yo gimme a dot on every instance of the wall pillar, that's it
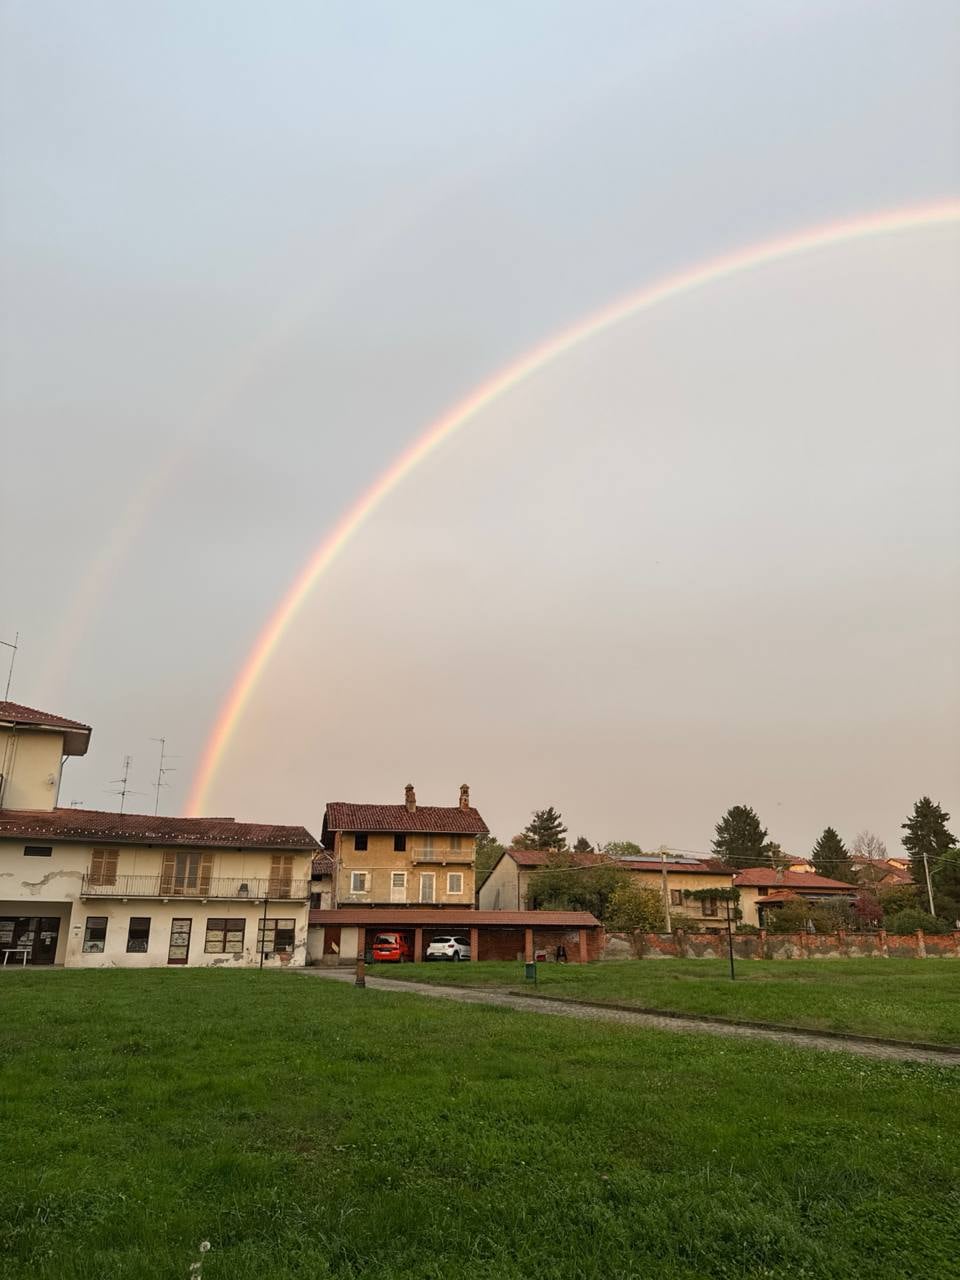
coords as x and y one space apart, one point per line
921 945
417 945
361 943
528 945
762 948
582 942
474 942
882 935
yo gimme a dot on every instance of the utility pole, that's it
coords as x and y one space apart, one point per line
730 940
666 886
13 657
926 872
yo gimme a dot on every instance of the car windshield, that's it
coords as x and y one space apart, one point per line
386 940
441 942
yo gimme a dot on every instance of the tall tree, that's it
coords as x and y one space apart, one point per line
740 840
946 887
927 833
545 830
489 853
867 845
583 845
622 849
830 857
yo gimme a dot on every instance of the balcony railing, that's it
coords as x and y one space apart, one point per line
235 889
464 856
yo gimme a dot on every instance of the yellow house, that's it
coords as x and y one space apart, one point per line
508 887
84 887
403 854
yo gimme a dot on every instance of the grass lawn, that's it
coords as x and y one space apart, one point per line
901 999
308 1129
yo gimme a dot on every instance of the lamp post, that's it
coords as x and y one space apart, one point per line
730 940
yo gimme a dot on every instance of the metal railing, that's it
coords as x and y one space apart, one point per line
465 856
235 888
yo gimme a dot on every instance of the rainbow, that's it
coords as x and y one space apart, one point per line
705 273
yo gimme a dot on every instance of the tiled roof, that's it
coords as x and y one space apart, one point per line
757 877
76 736
324 864
448 917
425 819
138 828
14 713
529 859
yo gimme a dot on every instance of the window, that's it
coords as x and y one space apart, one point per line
38 850
455 842
186 874
709 907
360 841
359 881
224 937
138 933
95 934
399 843
281 875
103 866
398 886
427 882
676 898
455 882
762 891
278 935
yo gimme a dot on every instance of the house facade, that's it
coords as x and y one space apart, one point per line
88 888
401 855
764 889
508 886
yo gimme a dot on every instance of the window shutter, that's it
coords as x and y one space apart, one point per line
103 866
281 875
205 872
168 873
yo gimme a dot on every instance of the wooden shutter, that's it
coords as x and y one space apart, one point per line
205 872
103 866
168 873
281 875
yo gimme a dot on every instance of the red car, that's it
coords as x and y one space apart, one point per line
393 947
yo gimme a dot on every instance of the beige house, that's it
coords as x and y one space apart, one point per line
507 888
80 887
764 889
403 854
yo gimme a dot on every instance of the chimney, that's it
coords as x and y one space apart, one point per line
464 796
410 798
779 875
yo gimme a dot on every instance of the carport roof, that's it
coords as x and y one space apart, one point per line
446 916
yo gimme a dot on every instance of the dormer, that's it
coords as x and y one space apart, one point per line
33 747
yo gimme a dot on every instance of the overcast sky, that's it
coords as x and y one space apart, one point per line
250 250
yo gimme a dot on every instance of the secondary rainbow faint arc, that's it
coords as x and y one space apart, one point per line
704 273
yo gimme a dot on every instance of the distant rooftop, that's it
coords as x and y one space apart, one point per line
97 826
76 735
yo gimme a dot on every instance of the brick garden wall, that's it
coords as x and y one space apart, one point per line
780 946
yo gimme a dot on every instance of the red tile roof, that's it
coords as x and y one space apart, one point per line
425 819
450 917
757 877
76 737
92 825
324 864
527 859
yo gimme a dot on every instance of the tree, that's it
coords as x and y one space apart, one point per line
636 906
566 885
622 849
927 834
946 886
489 853
867 845
740 840
777 856
898 897
545 830
583 845
910 921
830 857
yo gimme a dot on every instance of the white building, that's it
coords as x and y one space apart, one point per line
88 888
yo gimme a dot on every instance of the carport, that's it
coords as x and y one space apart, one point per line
339 936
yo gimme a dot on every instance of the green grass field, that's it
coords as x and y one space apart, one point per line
900 999
308 1129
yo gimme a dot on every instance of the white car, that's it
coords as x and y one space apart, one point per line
449 947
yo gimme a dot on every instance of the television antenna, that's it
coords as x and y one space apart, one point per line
13 657
163 769
122 782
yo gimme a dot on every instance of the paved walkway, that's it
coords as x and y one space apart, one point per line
531 1004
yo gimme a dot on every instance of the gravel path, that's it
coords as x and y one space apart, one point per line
530 1004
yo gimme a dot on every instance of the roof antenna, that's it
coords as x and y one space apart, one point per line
122 783
163 769
13 657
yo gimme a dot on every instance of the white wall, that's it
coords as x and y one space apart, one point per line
30 762
500 890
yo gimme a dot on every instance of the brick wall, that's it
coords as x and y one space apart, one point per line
780 946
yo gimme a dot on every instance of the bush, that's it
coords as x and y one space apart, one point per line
636 906
911 921
798 916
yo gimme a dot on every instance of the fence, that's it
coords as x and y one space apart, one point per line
781 946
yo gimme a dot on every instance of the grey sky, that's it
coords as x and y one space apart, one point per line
250 250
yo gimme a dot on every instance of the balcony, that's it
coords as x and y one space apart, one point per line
461 857
203 889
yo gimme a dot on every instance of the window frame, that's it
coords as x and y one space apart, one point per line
451 892
227 946
103 867
274 926
676 897
399 842
90 946
432 877
366 882
38 850
138 951
361 841
710 907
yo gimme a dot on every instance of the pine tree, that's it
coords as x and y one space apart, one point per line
927 833
830 857
545 830
740 840
583 845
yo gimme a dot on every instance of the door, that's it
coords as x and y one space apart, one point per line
281 875
45 940
331 940
427 886
186 874
398 886
179 952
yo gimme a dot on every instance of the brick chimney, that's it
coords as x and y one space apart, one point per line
410 798
464 796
